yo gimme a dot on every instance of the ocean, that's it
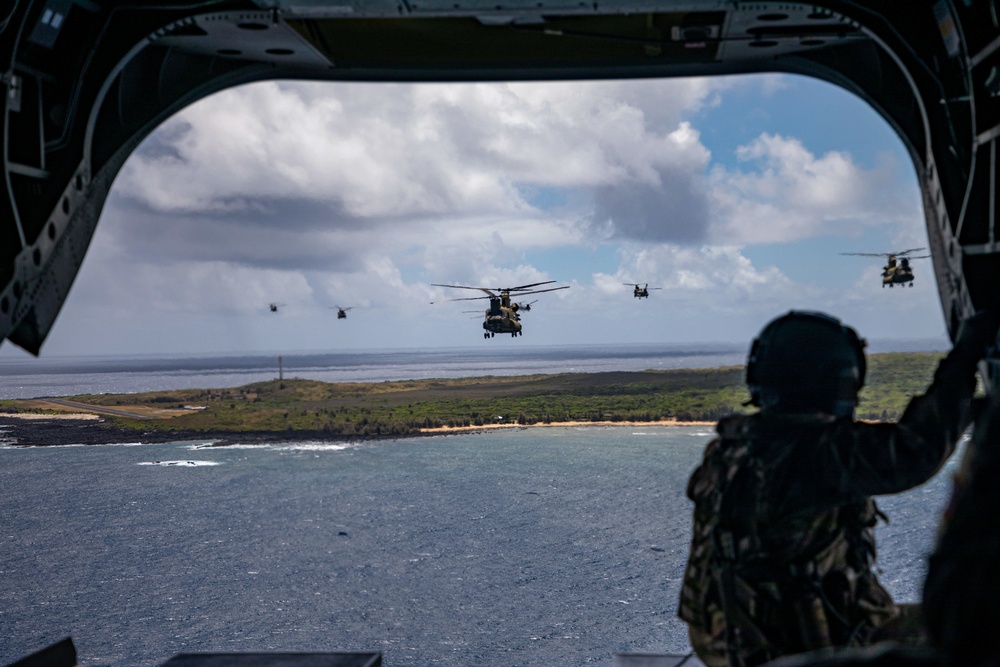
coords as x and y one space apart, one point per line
542 546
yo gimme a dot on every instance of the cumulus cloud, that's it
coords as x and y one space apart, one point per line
787 193
660 195
620 156
376 152
388 149
698 275
361 195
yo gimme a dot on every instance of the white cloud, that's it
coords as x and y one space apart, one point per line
788 193
394 150
362 194
699 276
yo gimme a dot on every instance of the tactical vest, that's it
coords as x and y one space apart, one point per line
760 586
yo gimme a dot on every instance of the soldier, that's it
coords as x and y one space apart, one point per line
783 546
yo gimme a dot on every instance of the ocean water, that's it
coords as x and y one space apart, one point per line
543 546
66 376
63 376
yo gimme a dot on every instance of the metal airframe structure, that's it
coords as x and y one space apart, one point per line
86 80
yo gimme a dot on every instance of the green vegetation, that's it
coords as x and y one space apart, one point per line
400 408
893 379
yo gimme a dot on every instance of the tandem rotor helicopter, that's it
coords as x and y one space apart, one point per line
341 312
502 315
897 270
641 292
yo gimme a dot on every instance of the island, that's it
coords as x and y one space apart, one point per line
300 408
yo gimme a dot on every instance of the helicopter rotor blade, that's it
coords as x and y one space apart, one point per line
539 291
456 286
465 298
481 289
495 289
519 291
883 254
524 287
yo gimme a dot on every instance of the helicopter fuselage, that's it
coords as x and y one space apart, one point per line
501 318
895 273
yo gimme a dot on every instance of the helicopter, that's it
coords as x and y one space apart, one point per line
273 307
342 312
897 270
640 292
502 315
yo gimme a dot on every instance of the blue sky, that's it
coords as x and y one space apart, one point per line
735 195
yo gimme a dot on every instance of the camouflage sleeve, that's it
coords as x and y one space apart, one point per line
875 459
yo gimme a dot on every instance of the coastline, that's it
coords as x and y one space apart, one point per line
40 430
445 430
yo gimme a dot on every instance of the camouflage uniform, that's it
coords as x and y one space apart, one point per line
783 544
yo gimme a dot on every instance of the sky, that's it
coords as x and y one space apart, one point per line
733 195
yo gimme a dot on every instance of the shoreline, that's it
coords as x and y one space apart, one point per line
40 430
445 430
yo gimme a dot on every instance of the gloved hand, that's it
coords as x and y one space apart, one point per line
955 377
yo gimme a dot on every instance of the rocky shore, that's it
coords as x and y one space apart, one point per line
39 430
50 430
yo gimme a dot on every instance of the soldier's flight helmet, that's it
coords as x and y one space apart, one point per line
806 362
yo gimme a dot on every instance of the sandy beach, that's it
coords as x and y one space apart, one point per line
444 430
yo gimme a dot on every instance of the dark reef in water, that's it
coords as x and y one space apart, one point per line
17 432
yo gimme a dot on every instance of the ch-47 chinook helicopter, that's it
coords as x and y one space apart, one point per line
641 292
273 307
502 315
341 312
897 270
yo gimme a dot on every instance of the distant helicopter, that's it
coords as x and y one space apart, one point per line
342 312
502 315
897 270
273 307
641 292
